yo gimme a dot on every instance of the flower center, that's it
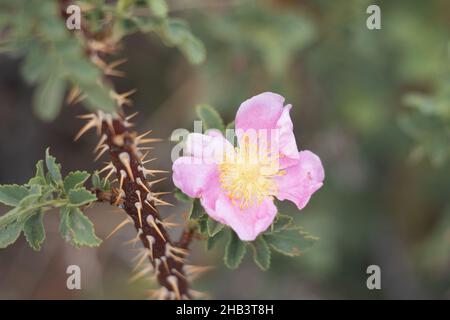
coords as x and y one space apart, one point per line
247 174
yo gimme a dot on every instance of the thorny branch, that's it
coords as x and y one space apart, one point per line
134 193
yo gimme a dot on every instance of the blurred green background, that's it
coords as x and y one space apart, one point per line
373 104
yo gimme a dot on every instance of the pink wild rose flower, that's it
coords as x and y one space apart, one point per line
237 186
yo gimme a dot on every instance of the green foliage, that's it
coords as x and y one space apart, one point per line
76 228
55 58
281 222
48 97
53 168
9 234
210 117
290 241
261 253
101 184
47 190
212 241
180 196
34 231
197 212
428 120
12 194
80 196
75 179
234 251
213 227
173 32
158 7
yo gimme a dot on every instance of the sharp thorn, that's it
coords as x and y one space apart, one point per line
120 226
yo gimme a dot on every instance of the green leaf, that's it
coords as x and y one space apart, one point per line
180 195
261 253
64 228
290 242
158 7
53 168
282 222
96 180
34 231
210 117
83 229
9 234
97 97
80 196
75 179
30 199
212 241
123 5
12 194
39 178
234 251
197 210
214 227
36 64
76 228
174 31
10 217
99 183
193 49
48 97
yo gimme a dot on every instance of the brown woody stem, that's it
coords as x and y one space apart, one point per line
140 203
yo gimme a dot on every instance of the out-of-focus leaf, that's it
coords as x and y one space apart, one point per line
281 222
193 49
48 97
292 242
158 7
210 117
98 98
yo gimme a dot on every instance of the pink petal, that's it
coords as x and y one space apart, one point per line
209 148
287 143
197 174
301 180
248 223
193 177
265 115
260 112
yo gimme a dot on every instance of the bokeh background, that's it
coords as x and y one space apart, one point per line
373 104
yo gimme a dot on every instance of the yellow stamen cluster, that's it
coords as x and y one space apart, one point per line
247 174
